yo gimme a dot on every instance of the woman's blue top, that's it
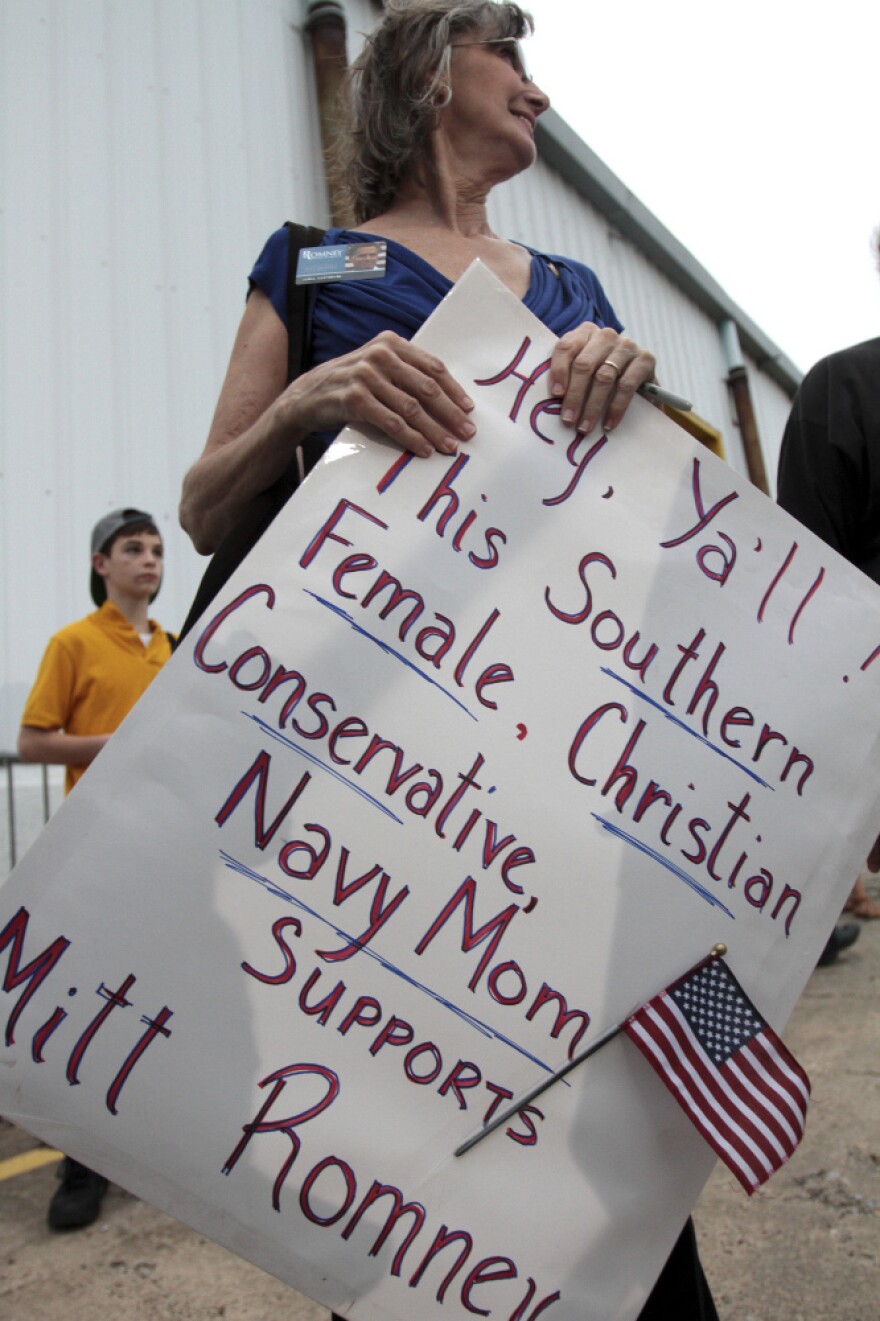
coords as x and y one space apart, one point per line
347 313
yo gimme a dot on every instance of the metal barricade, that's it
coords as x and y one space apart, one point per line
8 761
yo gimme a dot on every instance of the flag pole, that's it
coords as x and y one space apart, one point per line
717 951
536 1091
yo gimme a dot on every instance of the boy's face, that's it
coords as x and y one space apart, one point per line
132 567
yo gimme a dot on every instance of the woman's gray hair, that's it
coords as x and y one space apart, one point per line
397 84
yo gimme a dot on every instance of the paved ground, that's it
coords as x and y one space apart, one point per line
804 1248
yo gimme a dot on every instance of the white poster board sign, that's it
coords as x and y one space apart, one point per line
472 756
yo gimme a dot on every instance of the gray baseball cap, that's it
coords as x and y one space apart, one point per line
105 530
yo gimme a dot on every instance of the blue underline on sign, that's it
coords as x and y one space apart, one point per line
682 875
273 888
389 651
321 765
658 706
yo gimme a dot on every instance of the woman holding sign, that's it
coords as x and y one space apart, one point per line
441 109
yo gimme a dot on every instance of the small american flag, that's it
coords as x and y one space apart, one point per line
727 1069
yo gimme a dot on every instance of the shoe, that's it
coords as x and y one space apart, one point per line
77 1202
843 935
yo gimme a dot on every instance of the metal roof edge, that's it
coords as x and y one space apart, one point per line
561 148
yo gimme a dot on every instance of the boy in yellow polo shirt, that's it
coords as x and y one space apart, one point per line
90 677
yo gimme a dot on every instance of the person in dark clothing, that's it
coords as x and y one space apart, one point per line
829 463
829 479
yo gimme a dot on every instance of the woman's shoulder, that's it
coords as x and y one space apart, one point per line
275 250
569 288
585 274
269 273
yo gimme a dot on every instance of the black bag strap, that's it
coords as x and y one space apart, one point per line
298 301
263 508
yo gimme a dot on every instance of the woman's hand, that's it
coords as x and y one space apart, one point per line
389 384
594 373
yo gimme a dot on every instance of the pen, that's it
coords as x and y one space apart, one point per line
658 395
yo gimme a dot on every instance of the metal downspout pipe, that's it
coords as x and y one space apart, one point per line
325 25
738 380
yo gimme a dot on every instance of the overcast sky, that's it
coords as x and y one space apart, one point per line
751 130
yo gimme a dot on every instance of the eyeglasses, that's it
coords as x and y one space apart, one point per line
508 48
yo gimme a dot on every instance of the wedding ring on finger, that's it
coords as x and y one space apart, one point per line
609 363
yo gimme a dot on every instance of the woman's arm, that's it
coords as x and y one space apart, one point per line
388 383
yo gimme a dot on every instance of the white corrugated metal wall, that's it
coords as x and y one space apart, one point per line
147 148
